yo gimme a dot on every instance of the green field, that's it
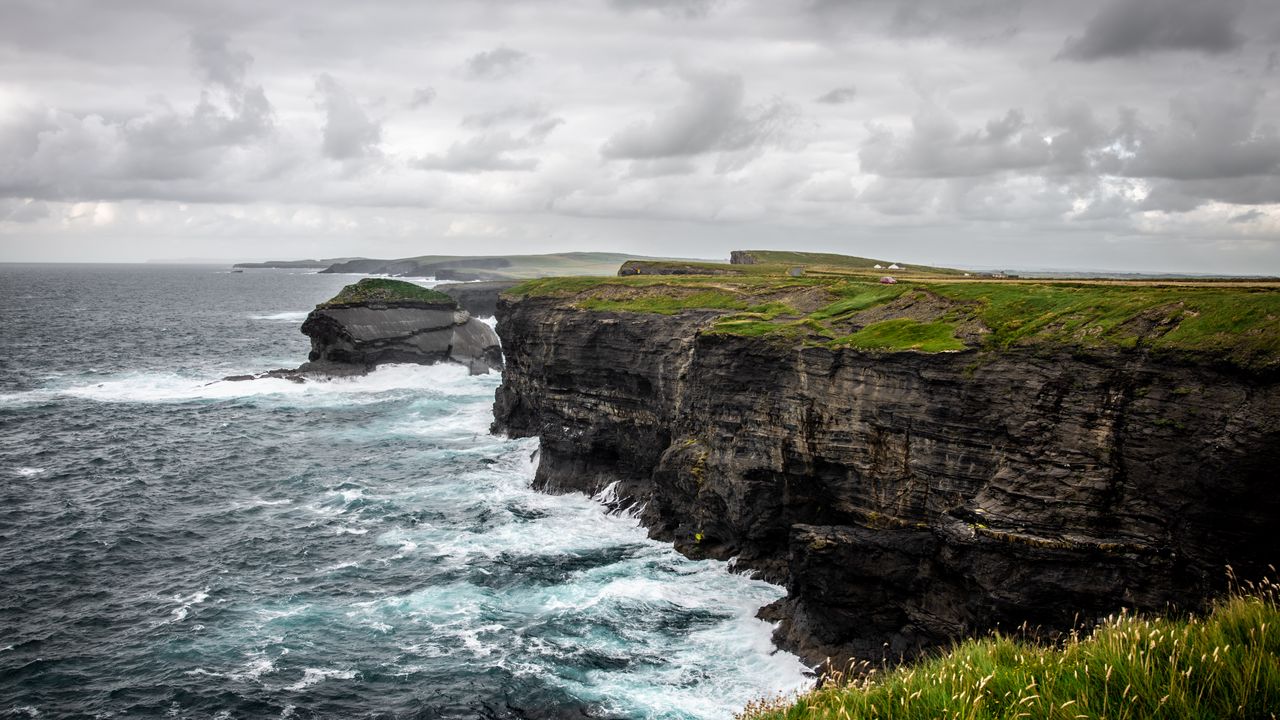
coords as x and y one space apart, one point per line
1222 665
833 263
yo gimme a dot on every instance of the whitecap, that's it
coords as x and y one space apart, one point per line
186 604
445 380
291 316
27 472
312 676
258 665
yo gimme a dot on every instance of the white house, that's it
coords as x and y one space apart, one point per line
894 267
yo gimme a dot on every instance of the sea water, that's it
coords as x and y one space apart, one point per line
173 545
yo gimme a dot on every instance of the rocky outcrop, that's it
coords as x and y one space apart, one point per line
907 499
478 298
366 335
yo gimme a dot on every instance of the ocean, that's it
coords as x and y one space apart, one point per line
172 545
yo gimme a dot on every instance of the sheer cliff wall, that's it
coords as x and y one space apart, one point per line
906 499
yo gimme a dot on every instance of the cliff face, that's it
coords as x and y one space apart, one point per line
478 298
906 499
370 334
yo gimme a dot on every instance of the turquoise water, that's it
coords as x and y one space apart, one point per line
174 545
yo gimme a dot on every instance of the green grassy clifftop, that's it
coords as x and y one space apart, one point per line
1238 322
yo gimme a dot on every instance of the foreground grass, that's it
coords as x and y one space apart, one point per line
1223 665
385 290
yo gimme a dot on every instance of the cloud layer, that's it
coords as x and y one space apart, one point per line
1111 133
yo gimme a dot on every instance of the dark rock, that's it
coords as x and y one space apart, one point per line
478 298
907 499
370 334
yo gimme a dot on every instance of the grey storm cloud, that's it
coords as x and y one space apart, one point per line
680 8
55 154
712 117
496 63
1207 138
937 147
1115 119
1211 148
422 97
23 211
1246 217
349 132
1136 27
838 96
503 116
218 64
491 151
968 20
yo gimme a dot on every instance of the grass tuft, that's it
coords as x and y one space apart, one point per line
1222 665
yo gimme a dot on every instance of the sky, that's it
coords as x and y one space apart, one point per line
1136 135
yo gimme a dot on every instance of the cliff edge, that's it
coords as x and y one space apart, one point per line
916 464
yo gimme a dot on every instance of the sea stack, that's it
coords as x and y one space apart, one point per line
378 321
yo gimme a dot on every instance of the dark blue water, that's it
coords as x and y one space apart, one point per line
175 546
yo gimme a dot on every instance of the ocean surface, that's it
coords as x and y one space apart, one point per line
176 546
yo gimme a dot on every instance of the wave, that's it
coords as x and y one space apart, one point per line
445 379
313 676
291 316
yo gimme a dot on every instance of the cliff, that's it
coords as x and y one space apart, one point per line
908 498
478 298
379 321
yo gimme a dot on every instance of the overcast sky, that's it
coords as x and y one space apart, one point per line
1113 134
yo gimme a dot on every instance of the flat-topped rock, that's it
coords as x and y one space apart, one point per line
378 321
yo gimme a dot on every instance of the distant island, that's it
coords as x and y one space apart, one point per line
290 264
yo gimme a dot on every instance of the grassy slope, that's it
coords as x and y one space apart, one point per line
385 290
1223 665
1241 324
833 262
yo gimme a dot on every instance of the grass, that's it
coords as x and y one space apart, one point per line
385 290
672 304
1241 324
1225 664
904 334
1238 324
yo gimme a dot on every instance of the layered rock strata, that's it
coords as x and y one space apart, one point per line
906 499
365 335
478 298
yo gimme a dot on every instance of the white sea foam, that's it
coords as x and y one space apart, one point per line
27 472
259 664
291 316
443 380
186 603
313 676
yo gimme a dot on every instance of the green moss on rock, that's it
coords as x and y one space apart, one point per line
384 290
